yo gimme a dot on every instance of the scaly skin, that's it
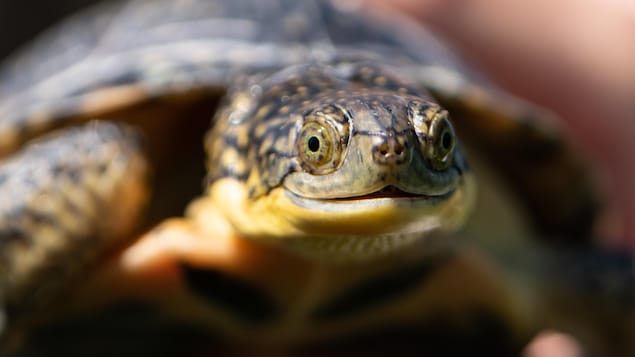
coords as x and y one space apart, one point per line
385 177
56 213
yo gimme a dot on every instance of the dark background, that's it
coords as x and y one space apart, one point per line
21 20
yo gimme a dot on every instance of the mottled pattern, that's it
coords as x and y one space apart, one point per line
257 136
63 189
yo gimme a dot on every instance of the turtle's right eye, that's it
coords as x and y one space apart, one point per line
320 145
316 145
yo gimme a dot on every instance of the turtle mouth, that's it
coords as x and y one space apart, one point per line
386 196
389 191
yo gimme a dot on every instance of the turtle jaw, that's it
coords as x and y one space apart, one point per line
389 196
385 212
352 228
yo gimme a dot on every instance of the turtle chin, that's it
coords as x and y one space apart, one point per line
350 228
374 225
363 248
385 212
388 196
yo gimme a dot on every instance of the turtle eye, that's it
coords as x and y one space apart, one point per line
434 131
319 144
441 142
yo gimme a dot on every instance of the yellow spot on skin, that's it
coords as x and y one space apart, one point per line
423 126
431 113
229 157
275 89
242 139
216 144
281 144
263 111
303 90
380 81
284 110
265 145
242 102
240 167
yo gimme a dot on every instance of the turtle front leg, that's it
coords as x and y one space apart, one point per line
65 199
153 266
198 270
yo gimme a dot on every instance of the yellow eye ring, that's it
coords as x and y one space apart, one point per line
316 144
434 132
322 140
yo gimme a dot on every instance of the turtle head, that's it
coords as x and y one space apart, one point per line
349 173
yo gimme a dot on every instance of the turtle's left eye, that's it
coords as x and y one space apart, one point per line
441 142
319 144
434 131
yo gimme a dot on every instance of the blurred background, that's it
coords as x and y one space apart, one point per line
21 20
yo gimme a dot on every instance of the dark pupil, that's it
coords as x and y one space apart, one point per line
314 144
446 140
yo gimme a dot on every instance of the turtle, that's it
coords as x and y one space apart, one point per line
339 170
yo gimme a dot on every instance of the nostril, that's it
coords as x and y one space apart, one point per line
391 152
384 149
